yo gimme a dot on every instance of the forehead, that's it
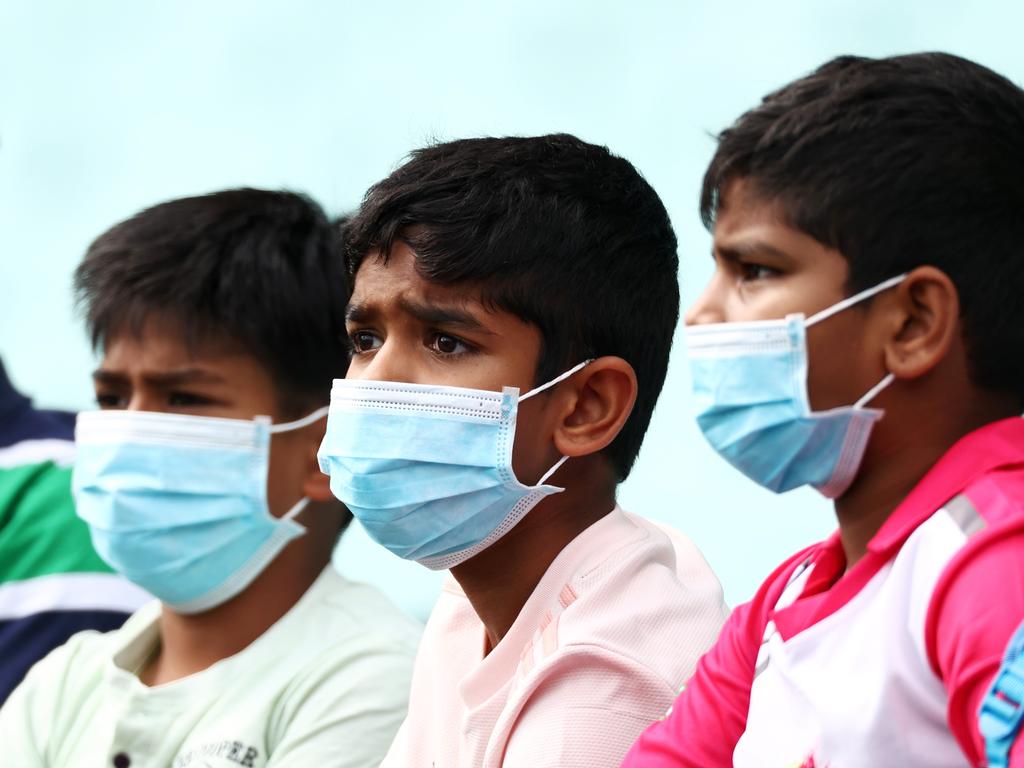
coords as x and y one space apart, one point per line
742 209
749 225
394 294
160 342
381 282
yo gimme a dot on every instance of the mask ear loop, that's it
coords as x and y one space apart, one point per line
296 509
305 421
846 303
557 379
872 393
288 426
541 388
550 472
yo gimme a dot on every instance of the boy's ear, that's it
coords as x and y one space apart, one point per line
601 400
317 485
925 323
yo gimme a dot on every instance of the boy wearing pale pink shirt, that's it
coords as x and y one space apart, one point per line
513 310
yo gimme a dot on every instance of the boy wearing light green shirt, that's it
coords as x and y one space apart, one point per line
325 685
219 321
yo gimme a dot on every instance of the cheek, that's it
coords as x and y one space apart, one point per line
533 453
838 364
285 474
769 299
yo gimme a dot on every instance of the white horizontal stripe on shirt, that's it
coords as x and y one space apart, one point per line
70 592
60 452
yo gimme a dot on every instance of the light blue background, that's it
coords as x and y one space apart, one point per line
106 107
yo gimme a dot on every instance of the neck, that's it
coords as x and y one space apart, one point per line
192 643
500 580
901 453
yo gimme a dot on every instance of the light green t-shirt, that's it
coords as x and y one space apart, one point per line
327 685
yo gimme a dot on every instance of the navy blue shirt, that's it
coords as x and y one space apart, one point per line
45 549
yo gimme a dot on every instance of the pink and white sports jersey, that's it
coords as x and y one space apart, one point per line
600 649
882 665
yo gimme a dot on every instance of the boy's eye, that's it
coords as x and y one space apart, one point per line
444 344
110 400
750 272
186 400
364 341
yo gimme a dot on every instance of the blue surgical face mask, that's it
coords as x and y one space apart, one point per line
427 470
749 384
177 504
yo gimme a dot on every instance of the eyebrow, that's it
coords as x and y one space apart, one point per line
428 314
169 378
746 249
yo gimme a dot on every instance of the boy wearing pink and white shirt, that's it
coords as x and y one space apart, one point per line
513 309
869 249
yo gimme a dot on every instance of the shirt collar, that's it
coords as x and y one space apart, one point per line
995 445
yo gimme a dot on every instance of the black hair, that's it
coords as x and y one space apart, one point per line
561 233
897 163
263 269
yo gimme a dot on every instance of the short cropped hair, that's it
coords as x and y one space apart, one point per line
558 232
897 163
263 269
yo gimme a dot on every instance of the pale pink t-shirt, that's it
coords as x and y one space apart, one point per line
609 636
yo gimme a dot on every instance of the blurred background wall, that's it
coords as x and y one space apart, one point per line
110 106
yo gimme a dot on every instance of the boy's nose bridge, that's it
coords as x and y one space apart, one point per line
707 306
390 363
142 399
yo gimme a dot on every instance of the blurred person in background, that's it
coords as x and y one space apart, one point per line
219 319
52 583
